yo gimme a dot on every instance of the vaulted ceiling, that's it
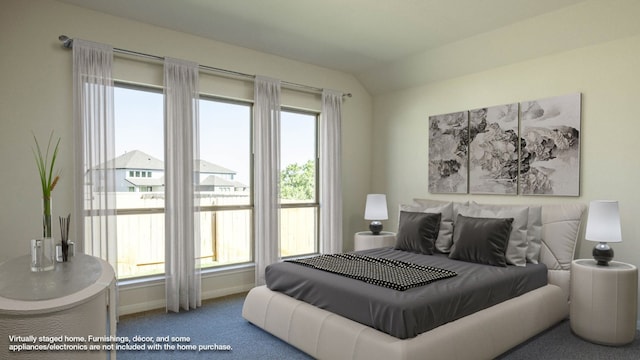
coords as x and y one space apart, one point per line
386 44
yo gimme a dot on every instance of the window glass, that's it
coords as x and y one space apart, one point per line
298 183
225 152
139 144
225 182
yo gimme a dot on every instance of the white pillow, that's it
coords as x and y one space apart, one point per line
445 234
457 206
517 247
534 234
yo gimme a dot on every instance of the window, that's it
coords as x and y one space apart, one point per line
299 208
226 205
139 143
225 183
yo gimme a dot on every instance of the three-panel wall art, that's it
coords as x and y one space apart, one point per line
530 148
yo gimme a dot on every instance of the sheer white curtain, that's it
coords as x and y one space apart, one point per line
94 149
182 230
331 173
266 142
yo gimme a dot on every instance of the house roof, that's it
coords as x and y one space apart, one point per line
213 180
211 168
140 160
137 159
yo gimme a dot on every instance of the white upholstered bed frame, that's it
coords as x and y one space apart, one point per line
482 335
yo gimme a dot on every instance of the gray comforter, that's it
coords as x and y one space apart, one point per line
405 314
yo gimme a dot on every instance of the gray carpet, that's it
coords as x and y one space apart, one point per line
219 323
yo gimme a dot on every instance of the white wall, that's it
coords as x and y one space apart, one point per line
36 95
607 75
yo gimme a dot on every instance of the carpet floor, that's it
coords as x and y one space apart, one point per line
218 331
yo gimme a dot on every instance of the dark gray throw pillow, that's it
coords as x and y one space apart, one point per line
481 240
417 232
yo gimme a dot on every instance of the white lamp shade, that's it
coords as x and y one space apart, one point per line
376 208
603 223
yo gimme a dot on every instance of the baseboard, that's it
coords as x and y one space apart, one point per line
160 304
212 294
142 296
141 307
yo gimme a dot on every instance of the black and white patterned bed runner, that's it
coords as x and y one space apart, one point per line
394 274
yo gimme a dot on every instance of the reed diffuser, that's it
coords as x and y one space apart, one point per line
64 236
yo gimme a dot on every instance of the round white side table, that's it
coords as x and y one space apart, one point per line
68 302
365 240
604 306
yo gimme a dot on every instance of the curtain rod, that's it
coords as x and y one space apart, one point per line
67 42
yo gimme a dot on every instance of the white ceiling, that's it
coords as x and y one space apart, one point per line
361 37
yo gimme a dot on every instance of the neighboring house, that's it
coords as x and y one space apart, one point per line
207 169
219 184
137 171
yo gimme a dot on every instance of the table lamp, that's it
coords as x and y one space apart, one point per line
376 210
603 226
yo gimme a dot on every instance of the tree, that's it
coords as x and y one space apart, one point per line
297 182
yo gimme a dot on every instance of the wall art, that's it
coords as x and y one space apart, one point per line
448 153
550 146
493 150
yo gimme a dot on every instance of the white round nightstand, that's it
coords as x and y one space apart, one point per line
71 300
604 299
365 240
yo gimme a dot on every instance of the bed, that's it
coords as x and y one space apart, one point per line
485 333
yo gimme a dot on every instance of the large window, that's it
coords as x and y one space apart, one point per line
139 166
225 182
298 183
226 215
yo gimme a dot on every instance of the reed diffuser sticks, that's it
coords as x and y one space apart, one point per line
64 236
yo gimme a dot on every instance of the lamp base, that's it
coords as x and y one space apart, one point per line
375 227
602 253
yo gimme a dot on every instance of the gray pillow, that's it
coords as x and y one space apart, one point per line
417 232
517 246
445 235
481 240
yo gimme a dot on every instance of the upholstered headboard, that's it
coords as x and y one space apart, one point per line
560 230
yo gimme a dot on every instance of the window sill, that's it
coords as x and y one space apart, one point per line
160 279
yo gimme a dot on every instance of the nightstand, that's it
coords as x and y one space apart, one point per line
71 300
604 299
365 240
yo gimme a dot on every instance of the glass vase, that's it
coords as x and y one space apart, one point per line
43 252
47 229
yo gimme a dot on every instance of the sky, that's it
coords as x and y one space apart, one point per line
225 136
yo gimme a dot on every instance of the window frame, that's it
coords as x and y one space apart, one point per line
250 206
316 203
213 208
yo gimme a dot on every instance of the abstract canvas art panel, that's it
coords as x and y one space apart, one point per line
448 153
550 146
493 150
